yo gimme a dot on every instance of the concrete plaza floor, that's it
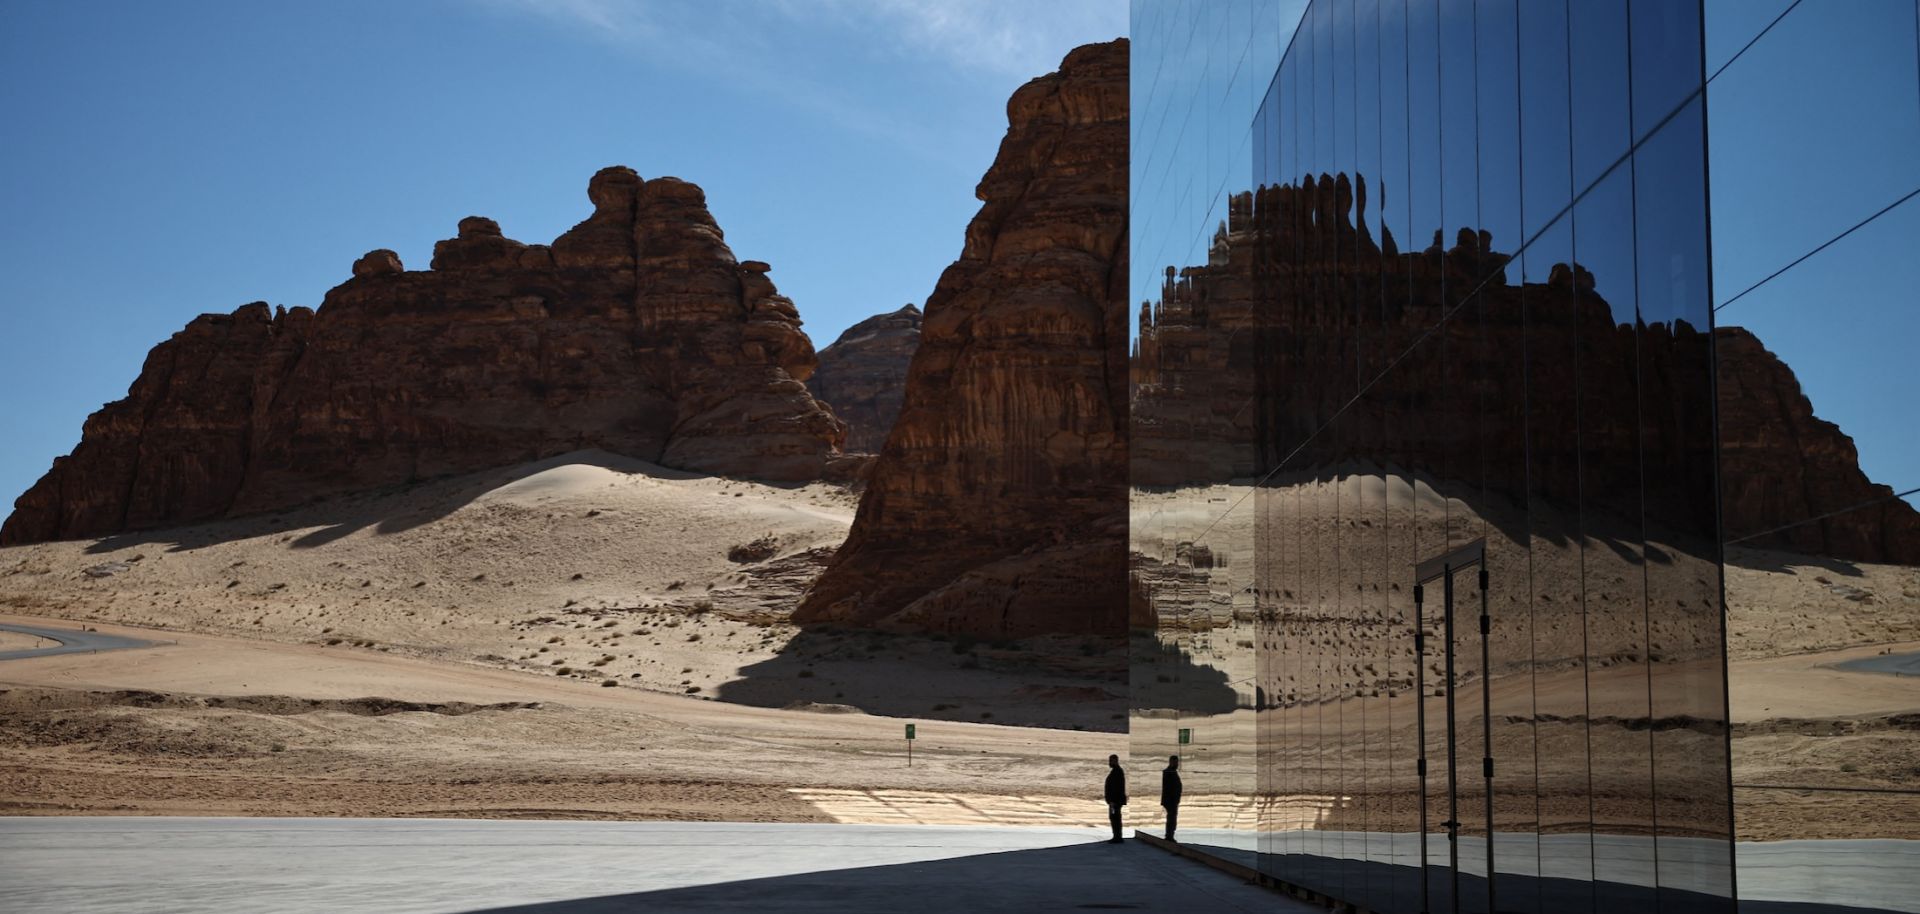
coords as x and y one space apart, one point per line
109 864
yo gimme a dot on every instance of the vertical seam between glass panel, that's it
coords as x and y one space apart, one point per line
1719 504
1480 447
1526 439
1579 458
1639 439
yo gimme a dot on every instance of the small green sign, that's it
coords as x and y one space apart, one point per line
909 731
1186 735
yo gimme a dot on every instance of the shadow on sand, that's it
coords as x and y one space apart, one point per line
1077 877
833 670
393 509
1131 877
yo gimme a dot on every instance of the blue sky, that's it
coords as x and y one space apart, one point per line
166 160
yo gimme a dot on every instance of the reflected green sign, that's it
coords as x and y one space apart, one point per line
1186 735
909 731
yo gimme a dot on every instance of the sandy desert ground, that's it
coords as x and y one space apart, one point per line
587 636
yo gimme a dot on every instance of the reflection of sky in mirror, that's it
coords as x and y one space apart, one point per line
1189 147
1801 152
1813 128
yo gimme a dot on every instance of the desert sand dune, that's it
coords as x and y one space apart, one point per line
583 612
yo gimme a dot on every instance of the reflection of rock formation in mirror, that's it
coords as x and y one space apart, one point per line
1394 404
1217 380
1397 404
1791 480
1192 367
1180 654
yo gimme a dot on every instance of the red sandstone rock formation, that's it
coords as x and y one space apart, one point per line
863 376
635 332
1781 465
998 505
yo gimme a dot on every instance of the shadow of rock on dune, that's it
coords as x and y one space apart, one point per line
1166 677
395 509
1044 682
1786 562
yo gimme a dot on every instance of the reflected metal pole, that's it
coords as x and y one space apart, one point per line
1486 723
1420 724
1453 764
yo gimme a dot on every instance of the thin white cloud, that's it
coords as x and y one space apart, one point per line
999 43
1010 38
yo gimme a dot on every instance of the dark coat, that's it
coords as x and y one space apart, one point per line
1169 788
1116 788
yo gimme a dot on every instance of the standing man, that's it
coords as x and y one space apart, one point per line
1170 793
1116 795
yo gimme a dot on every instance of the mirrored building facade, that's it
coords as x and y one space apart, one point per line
1523 462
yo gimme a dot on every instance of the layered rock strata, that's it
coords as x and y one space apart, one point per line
863 376
1792 480
998 506
1325 373
635 332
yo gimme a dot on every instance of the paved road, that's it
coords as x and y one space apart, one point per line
111 865
71 641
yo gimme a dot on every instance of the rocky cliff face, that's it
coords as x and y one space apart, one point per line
636 332
998 505
1781 465
863 376
1221 387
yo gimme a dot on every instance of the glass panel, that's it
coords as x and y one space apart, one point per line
1832 99
1372 357
1423 147
1867 875
1823 569
1405 154
1546 180
1817 351
1685 649
1395 203
1666 60
1470 723
1612 572
1498 116
1555 558
1597 65
1823 742
1459 141
1731 24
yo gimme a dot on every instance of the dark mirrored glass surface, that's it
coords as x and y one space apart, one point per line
1458 301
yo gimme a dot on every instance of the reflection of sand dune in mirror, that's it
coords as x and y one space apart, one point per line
1821 750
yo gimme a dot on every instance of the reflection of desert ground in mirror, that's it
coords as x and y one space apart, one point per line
554 638
1797 721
